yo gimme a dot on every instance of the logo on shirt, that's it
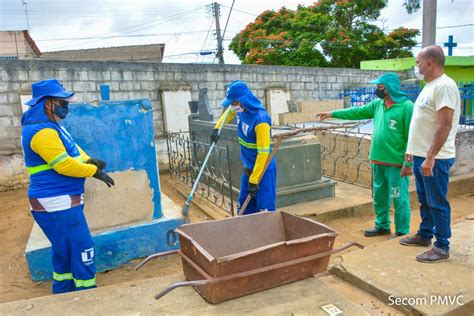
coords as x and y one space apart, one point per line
87 256
392 124
423 102
245 129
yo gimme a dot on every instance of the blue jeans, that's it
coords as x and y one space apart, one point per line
432 193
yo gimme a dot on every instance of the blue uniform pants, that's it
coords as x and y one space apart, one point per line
72 249
265 199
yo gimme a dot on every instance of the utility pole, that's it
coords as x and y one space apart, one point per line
26 13
428 35
220 51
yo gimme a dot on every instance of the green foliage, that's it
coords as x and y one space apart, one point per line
412 5
329 33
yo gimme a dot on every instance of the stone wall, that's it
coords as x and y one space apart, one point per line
139 80
464 152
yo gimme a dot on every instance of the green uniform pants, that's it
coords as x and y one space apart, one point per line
389 186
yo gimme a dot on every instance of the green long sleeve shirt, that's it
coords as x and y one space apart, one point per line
391 126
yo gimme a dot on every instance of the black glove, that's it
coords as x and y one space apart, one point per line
102 176
253 188
97 162
215 135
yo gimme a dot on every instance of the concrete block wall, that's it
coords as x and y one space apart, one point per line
142 80
320 106
296 117
307 109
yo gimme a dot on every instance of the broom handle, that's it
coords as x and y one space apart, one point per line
196 182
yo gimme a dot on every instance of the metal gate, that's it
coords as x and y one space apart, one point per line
186 155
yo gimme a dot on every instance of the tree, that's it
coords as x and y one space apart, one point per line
412 5
328 33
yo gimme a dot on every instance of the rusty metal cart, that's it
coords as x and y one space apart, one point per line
233 257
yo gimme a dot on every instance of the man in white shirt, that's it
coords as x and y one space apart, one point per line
431 147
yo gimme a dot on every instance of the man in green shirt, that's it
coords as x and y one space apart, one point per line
391 113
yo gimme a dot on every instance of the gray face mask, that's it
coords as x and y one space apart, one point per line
418 75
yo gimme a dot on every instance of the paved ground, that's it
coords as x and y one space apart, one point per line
16 284
136 298
389 271
353 200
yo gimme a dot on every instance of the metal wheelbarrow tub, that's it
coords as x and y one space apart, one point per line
233 257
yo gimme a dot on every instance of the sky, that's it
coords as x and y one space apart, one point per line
187 26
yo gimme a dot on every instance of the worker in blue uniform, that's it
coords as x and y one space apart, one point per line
57 167
253 126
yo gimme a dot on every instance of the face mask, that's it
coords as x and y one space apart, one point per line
381 93
61 111
237 108
418 75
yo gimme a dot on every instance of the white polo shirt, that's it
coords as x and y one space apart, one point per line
437 94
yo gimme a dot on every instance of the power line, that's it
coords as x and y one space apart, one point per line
140 27
454 26
228 17
94 12
252 14
106 37
207 35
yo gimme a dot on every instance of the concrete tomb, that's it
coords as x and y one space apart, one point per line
131 219
299 177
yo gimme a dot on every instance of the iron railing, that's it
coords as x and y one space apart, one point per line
345 153
361 95
345 156
186 155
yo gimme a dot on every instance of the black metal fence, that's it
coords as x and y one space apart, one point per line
361 95
186 156
345 156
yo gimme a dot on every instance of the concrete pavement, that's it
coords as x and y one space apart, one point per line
390 272
136 298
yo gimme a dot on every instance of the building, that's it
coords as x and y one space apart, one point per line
18 45
152 53
460 68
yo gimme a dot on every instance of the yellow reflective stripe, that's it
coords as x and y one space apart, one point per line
58 159
84 283
248 145
36 169
62 276
55 161
79 158
263 149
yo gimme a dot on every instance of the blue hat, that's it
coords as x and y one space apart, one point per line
48 88
391 81
235 91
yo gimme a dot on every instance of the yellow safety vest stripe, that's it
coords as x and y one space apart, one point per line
62 276
85 283
55 162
